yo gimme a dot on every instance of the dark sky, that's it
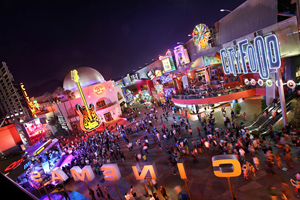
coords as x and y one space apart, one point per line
44 40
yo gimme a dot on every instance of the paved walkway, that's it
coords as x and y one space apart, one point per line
203 184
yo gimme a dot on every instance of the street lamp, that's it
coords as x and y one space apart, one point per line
223 10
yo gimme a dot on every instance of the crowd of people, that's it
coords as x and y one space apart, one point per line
175 135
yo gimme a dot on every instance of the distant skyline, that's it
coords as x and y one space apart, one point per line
44 40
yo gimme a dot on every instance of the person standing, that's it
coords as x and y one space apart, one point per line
163 192
244 116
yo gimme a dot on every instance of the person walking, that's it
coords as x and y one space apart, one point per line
256 162
100 191
288 159
278 160
106 192
163 192
92 193
133 192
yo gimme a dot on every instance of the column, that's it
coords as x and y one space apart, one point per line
282 97
206 73
270 91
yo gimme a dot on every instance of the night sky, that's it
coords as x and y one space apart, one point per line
43 40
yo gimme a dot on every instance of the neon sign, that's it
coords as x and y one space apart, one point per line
167 61
201 34
30 103
263 55
14 165
181 55
99 90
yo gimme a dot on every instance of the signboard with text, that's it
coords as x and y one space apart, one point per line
263 55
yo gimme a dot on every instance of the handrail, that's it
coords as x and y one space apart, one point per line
215 94
259 117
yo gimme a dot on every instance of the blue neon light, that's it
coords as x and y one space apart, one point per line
273 57
263 55
241 45
226 68
252 58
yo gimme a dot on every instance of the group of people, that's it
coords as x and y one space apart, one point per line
155 129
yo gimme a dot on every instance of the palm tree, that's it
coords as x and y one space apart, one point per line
70 95
48 97
60 93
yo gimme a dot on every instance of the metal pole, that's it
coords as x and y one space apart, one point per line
188 190
150 186
282 97
46 192
65 189
232 196
118 190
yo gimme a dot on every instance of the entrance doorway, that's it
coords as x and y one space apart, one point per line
108 117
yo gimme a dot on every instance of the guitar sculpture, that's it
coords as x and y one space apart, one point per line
89 120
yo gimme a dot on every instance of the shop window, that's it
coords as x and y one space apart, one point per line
101 103
298 72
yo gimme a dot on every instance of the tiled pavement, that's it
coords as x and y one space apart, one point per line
201 180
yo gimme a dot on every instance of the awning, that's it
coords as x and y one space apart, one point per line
204 61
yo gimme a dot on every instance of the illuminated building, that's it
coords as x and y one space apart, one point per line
12 102
106 96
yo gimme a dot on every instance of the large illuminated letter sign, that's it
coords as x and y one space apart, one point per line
224 58
261 56
230 60
241 45
273 52
111 172
252 58
59 174
144 171
181 171
82 174
36 176
226 166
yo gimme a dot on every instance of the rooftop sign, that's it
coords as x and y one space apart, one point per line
262 56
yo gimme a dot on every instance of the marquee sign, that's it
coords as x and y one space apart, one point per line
262 56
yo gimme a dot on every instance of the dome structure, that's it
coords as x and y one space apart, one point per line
87 76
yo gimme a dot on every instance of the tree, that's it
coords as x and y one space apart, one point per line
237 108
48 97
70 95
60 93
263 104
295 109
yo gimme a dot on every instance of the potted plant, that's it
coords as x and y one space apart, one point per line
237 109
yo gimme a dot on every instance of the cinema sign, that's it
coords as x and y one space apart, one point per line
262 56
111 172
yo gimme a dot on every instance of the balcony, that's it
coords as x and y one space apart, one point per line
106 106
202 97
